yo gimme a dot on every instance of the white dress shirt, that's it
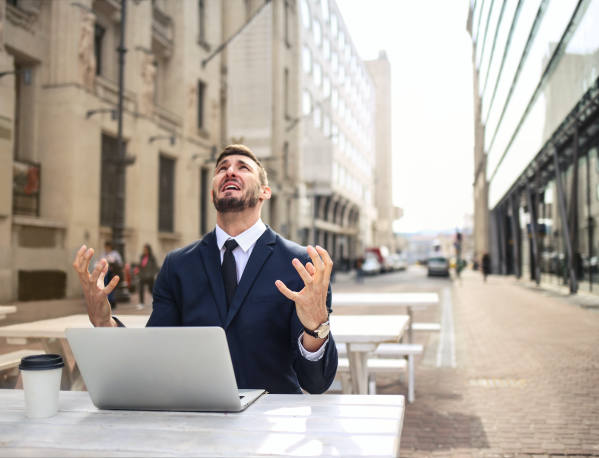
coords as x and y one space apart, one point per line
246 242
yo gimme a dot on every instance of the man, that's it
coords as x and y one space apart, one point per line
271 296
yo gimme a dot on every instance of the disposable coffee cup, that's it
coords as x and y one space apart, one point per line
41 384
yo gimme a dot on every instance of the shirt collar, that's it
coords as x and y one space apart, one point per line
245 240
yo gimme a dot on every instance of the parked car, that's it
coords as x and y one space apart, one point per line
382 257
371 265
438 266
397 262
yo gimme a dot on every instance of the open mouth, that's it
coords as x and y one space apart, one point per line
230 186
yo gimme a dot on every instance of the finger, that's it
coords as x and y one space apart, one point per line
86 259
291 295
78 257
100 281
316 259
310 268
301 270
98 270
328 262
110 286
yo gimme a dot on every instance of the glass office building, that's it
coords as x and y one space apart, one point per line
536 76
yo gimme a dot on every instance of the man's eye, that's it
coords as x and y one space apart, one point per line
245 167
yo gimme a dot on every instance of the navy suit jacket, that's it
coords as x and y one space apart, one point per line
261 324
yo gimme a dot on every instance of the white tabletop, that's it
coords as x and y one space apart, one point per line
306 425
6 309
368 328
352 328
55 327
405 299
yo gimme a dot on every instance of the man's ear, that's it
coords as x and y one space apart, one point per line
266 193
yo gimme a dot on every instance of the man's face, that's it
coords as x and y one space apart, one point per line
236 184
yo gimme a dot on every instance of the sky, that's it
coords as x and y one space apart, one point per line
430 53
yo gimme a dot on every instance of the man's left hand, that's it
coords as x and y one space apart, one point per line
311 301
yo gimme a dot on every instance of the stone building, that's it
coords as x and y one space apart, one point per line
199 74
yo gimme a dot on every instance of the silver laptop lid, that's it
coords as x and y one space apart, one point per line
158 368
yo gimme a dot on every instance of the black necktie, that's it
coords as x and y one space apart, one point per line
229 270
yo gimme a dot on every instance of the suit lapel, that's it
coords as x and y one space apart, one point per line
211 259
261 252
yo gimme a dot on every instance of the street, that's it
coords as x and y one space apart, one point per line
516 375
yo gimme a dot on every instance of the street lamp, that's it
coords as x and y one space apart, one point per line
118 225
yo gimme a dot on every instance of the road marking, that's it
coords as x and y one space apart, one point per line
446 348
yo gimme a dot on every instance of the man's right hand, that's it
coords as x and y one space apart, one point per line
98 307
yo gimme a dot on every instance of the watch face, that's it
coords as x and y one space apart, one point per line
323 330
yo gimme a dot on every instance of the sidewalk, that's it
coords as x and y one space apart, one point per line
526 381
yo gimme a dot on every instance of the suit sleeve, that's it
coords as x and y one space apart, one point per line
315 376
166 306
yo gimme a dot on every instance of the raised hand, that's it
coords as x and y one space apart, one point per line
310 302
98 307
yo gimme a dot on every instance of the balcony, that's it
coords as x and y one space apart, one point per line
26 188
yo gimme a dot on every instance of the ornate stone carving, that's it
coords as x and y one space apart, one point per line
87 59
148 86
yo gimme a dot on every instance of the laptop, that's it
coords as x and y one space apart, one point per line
159 368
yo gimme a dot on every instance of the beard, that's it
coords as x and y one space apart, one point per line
249 199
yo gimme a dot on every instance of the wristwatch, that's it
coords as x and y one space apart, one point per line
321 332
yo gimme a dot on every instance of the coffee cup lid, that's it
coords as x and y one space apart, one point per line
41 362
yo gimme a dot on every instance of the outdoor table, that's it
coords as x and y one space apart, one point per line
6 309
361 334
51 334
410 300
276 424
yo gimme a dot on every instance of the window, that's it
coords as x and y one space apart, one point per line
99 33
306 59
317 29
324 6
334 25
201 97
326 48
202 21
287 24
305 12
306 103
166 194
108 183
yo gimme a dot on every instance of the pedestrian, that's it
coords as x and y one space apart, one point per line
359 270
115 265
486 265
270 295
146 272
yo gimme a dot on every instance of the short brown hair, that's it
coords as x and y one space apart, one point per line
243 150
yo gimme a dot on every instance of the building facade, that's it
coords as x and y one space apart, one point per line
380 70
536 68
199 74
337 133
